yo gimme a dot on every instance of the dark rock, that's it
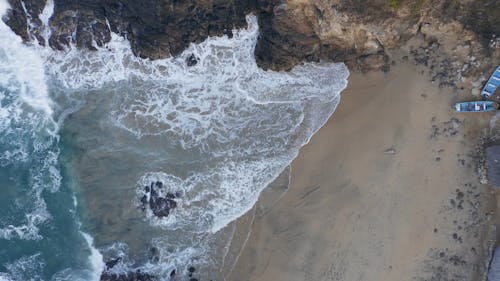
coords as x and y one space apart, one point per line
113 262
146 189
27 25
156 30
191 60
159 184
161 206
144 200
191 269
172 273
154 194
170 195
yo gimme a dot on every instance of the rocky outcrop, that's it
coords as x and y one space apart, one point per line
454 36
457 41
158 200
156 29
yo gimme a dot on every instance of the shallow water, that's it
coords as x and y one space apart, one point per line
91 129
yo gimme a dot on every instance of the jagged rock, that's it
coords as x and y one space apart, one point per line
159 202
111 263
161 206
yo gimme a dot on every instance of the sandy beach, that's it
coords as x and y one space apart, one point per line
386 190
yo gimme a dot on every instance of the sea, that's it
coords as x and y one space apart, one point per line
82 133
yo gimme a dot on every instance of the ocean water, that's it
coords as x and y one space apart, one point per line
82 133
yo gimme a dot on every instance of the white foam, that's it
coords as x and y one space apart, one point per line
95 258
22 70
46 14
4 7
27 131
5 277
26 268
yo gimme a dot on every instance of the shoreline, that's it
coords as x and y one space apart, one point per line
386 190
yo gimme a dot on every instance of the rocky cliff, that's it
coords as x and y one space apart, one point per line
458 40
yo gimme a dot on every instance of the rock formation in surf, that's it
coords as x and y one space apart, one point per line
158 200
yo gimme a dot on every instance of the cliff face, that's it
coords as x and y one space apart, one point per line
156 29
457 40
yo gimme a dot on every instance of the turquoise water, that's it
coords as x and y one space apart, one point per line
82 133
40 237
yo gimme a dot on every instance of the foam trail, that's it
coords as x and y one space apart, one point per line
46 14
95 258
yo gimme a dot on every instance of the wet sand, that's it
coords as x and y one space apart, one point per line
386 190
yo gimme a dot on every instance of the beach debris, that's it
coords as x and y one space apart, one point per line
448 128
390 151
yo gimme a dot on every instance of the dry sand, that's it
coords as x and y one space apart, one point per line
386 190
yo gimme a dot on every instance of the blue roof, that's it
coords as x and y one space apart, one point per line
492 84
